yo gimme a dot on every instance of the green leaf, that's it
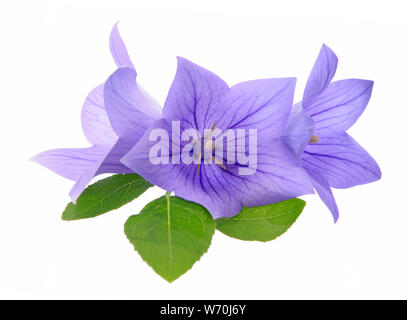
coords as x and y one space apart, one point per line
171 234
106 195
262 223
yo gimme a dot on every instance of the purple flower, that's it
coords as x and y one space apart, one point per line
108 145
330 156
200 100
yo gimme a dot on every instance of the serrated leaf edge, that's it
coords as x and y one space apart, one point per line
188 267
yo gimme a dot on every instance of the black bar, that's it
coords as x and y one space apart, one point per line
207 309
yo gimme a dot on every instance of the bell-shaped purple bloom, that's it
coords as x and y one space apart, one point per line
330 156
200 100
108 145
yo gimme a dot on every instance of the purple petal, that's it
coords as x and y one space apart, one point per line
95 122
71 163
277 177
82 165
130 109
200 99
192 94
324 191
181 178
84 180
259 104
138 158
321 75
341 161
108 161
340 105
221 191
298 131
111 163
118 49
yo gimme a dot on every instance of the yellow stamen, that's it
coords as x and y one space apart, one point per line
314 139
220 164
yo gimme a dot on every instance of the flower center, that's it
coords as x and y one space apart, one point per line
206 150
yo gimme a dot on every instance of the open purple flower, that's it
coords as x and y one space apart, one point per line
108 146
330 156
199 100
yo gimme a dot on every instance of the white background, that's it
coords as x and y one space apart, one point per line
53 52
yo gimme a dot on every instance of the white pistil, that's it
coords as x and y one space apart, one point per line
208 148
